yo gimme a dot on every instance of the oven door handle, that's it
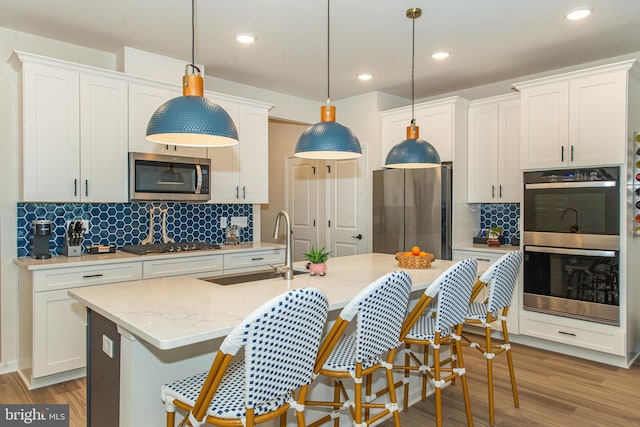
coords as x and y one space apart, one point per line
573 184
565 251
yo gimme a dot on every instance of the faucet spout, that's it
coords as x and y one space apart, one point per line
288 267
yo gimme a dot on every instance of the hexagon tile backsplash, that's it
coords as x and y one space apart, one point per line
505 215
122 224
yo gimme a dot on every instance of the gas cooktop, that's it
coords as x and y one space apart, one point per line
158 248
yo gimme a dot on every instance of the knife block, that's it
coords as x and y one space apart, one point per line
71 250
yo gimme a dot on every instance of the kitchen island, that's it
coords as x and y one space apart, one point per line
160 330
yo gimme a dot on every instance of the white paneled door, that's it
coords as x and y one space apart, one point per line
327 202
302 203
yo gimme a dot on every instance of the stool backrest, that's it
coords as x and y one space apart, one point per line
501 278
453 290
380 309
280 340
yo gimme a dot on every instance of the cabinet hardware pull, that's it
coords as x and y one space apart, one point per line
500 191
567 333
86 187
329 223
166 147
175 148
314 222
313 168
237 191
257 259
493 191
562 154
90 276
75 187
571 152
244 192
484 259
328 168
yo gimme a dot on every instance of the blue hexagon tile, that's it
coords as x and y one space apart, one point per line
122 224
505 215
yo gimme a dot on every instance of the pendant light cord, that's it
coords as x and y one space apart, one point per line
193 33
413 62
328 51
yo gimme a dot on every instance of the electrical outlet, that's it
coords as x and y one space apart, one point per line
107 346
223 222
240 221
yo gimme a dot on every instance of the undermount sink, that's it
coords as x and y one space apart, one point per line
249 277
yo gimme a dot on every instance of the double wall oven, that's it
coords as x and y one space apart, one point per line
571 240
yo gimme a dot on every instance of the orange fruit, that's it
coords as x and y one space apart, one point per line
415 250
408 254
423 254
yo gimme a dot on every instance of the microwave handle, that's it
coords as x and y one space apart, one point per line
198 188
565 251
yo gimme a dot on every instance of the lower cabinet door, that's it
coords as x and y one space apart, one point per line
59 340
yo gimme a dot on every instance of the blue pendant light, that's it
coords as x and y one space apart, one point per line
328 139
413 152
192 119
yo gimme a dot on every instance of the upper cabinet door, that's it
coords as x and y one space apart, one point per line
51 121
597 119
545 126
254 155
509 174
103 135
144 100
436 127
483 154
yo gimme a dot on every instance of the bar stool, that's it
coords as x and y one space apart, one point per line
379 310
432 327
501 278
281 340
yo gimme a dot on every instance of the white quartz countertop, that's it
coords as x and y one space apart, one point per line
60 261
502 249
173 312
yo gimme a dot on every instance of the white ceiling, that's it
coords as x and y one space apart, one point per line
489 40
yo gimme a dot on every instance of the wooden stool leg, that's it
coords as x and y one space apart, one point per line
358 394
425 361
437 388
336 398
463 379
171 418
407 361
489 357
392 393
512 373
367 411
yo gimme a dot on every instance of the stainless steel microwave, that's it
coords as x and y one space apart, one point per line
170 178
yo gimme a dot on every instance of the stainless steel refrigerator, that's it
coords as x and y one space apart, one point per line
412 207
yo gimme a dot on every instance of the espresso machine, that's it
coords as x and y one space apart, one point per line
40 234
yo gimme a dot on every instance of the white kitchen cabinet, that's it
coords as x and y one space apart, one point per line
578 333
494 150
485 259
576 118
240 262
144 100
442 123
240 173
196 266
52 326
74 140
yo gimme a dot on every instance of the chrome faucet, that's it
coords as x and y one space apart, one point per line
576 226
287 268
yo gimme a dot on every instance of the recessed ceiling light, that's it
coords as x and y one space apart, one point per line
365 76
246 38
579 13
440 55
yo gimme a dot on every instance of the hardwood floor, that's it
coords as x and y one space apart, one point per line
555 391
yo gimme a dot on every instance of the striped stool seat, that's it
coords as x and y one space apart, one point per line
501 277
436 320
357 355
280 340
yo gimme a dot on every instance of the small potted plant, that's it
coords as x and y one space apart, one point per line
493 238
317 258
